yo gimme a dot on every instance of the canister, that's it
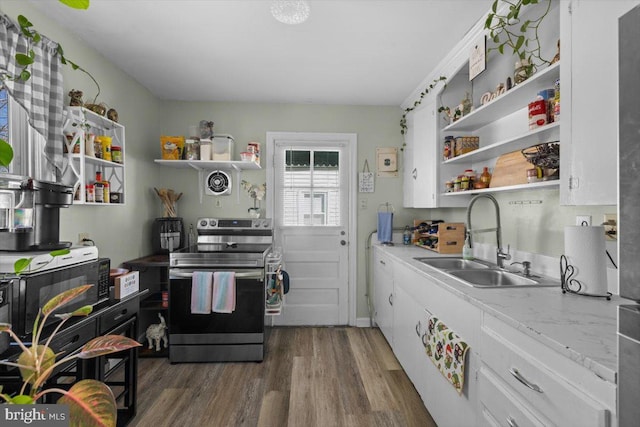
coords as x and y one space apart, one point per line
105 143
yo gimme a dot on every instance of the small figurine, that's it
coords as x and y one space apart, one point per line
157 333
76 98
112 115
557 57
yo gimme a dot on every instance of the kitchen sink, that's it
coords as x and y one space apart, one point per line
482 274
493 278
452 263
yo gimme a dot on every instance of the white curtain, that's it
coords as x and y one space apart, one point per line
42 96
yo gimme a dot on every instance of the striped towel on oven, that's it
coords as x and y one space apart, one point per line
201 283
224 292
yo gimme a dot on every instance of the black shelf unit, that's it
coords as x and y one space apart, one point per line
154 277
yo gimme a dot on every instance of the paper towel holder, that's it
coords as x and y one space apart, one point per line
573 286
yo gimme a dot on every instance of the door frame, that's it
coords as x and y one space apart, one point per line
351 141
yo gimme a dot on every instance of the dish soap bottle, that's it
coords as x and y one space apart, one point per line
467 252
406 235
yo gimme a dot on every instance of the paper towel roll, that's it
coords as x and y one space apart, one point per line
585 250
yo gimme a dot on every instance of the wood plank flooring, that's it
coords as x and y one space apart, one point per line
337 376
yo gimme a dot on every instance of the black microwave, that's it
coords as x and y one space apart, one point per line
32 291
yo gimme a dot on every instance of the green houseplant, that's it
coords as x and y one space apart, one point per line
91 402
521 36
25 61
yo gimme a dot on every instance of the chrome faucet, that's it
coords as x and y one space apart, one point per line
500 255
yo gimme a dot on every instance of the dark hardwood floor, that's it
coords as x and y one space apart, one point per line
310 377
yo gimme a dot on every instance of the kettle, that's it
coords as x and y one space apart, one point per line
167 235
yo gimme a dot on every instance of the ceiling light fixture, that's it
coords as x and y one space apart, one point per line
290 12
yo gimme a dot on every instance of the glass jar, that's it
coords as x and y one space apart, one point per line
447 152
116 154
456 184
192 149
464 183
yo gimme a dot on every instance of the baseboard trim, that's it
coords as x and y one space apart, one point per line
363 322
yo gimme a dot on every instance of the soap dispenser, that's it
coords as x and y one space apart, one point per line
467 252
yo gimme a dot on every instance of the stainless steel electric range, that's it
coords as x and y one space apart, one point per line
223 245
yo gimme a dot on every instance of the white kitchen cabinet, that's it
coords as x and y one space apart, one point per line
80 168
498 405
589 101
422 160
540 386
416 297
383 293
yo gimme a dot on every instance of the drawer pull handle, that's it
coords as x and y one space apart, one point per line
418 328
512 422
382 262
391 299
516 375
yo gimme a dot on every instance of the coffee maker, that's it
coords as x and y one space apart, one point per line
167 235
30 213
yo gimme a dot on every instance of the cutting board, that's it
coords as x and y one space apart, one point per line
511 169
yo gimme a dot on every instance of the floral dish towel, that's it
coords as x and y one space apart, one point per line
447 351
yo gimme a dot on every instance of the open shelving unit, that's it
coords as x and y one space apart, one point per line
81 168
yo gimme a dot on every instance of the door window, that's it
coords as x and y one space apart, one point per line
311 188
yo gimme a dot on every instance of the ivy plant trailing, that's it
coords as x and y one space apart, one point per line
510 31
26 60
403 120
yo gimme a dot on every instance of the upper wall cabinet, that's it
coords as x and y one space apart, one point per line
94 148
589 76
422 160
586 132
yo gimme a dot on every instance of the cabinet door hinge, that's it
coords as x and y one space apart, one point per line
569 8
574 183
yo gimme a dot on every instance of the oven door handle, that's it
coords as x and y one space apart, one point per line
256 274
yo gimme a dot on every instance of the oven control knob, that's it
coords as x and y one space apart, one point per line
256 224
265 223
212 222
203 223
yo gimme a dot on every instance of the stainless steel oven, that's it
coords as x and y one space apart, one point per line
223 245
33 289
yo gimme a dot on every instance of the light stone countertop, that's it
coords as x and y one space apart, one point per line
581 328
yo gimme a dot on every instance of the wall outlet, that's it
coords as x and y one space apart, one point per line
218 202
363 204
583 220
82 237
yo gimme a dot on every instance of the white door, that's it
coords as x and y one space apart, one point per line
310 198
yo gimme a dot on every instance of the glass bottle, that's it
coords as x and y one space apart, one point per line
485 177
406 235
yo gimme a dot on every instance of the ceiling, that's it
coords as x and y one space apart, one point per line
349 52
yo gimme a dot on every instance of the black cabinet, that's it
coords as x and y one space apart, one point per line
119 370
154 277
